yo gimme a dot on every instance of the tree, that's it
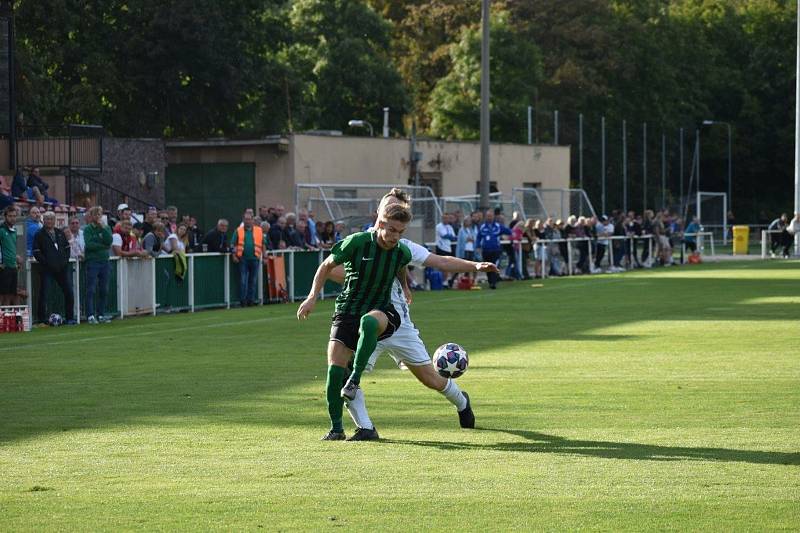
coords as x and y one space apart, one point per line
341 53
515 73
143 67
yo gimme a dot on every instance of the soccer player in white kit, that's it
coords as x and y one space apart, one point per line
405 345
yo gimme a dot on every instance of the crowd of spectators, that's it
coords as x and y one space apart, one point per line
613 243
620 241
158 233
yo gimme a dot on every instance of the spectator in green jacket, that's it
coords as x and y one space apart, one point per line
9 260
97 237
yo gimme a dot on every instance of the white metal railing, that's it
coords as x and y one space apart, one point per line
123 291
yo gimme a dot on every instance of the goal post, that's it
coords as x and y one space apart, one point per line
712 212
354 204
555 203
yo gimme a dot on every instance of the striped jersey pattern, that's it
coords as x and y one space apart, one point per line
369 272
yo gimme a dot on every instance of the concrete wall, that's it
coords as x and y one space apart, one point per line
324 159
363 160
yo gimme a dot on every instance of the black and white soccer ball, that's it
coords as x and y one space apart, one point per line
450 360
55 320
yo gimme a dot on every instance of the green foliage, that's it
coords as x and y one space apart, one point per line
514 73
142 67
340 52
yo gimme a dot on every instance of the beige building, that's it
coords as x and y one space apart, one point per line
266 171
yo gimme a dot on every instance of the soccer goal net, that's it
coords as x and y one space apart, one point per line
712 209
355 204
556 203
468 203
531 201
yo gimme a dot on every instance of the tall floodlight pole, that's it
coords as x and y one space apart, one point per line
697 161
624 166
644 167
797 133
680 174
8 111
603 162
580 150
555 127
730 157
484 189
530 125
663 171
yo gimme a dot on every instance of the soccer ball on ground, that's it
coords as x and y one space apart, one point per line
55 320
450 360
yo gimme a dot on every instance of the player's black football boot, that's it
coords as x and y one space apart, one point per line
365 434
334 435
466 417
349 390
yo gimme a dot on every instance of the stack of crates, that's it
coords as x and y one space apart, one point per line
14 319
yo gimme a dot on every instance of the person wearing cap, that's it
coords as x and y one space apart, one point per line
123 213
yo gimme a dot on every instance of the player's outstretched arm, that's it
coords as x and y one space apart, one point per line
456 264
321 275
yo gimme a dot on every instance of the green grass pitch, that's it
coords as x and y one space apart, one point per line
665 399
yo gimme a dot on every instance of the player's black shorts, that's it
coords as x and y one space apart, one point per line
344 328
8 281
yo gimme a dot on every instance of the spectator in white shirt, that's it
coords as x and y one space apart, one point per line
445 236
605 229
176 242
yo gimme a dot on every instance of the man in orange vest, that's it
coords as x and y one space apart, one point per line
248 242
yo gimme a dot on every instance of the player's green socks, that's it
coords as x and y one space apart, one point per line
335 402
367 341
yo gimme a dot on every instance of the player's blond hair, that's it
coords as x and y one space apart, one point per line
396 212
397 194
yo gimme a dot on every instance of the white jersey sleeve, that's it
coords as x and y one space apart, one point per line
419 254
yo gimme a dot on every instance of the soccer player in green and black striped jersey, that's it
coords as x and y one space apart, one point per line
364 313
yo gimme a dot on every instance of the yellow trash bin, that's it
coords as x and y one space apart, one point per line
741 239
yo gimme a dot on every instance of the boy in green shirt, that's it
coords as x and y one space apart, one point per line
364 313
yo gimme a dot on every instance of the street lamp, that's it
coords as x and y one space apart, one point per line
360 124
730 158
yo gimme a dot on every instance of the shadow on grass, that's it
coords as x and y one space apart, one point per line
536 442
240 365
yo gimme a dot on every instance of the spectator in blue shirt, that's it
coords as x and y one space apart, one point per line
489 243
32 227
690 235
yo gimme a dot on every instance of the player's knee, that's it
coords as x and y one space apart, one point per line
369 325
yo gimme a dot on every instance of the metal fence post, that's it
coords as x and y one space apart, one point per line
569 256
191 283
261 281
76 284
291 276
122 292
227 281
29 284
153 277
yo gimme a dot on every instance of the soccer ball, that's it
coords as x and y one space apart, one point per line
55 320
450 360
